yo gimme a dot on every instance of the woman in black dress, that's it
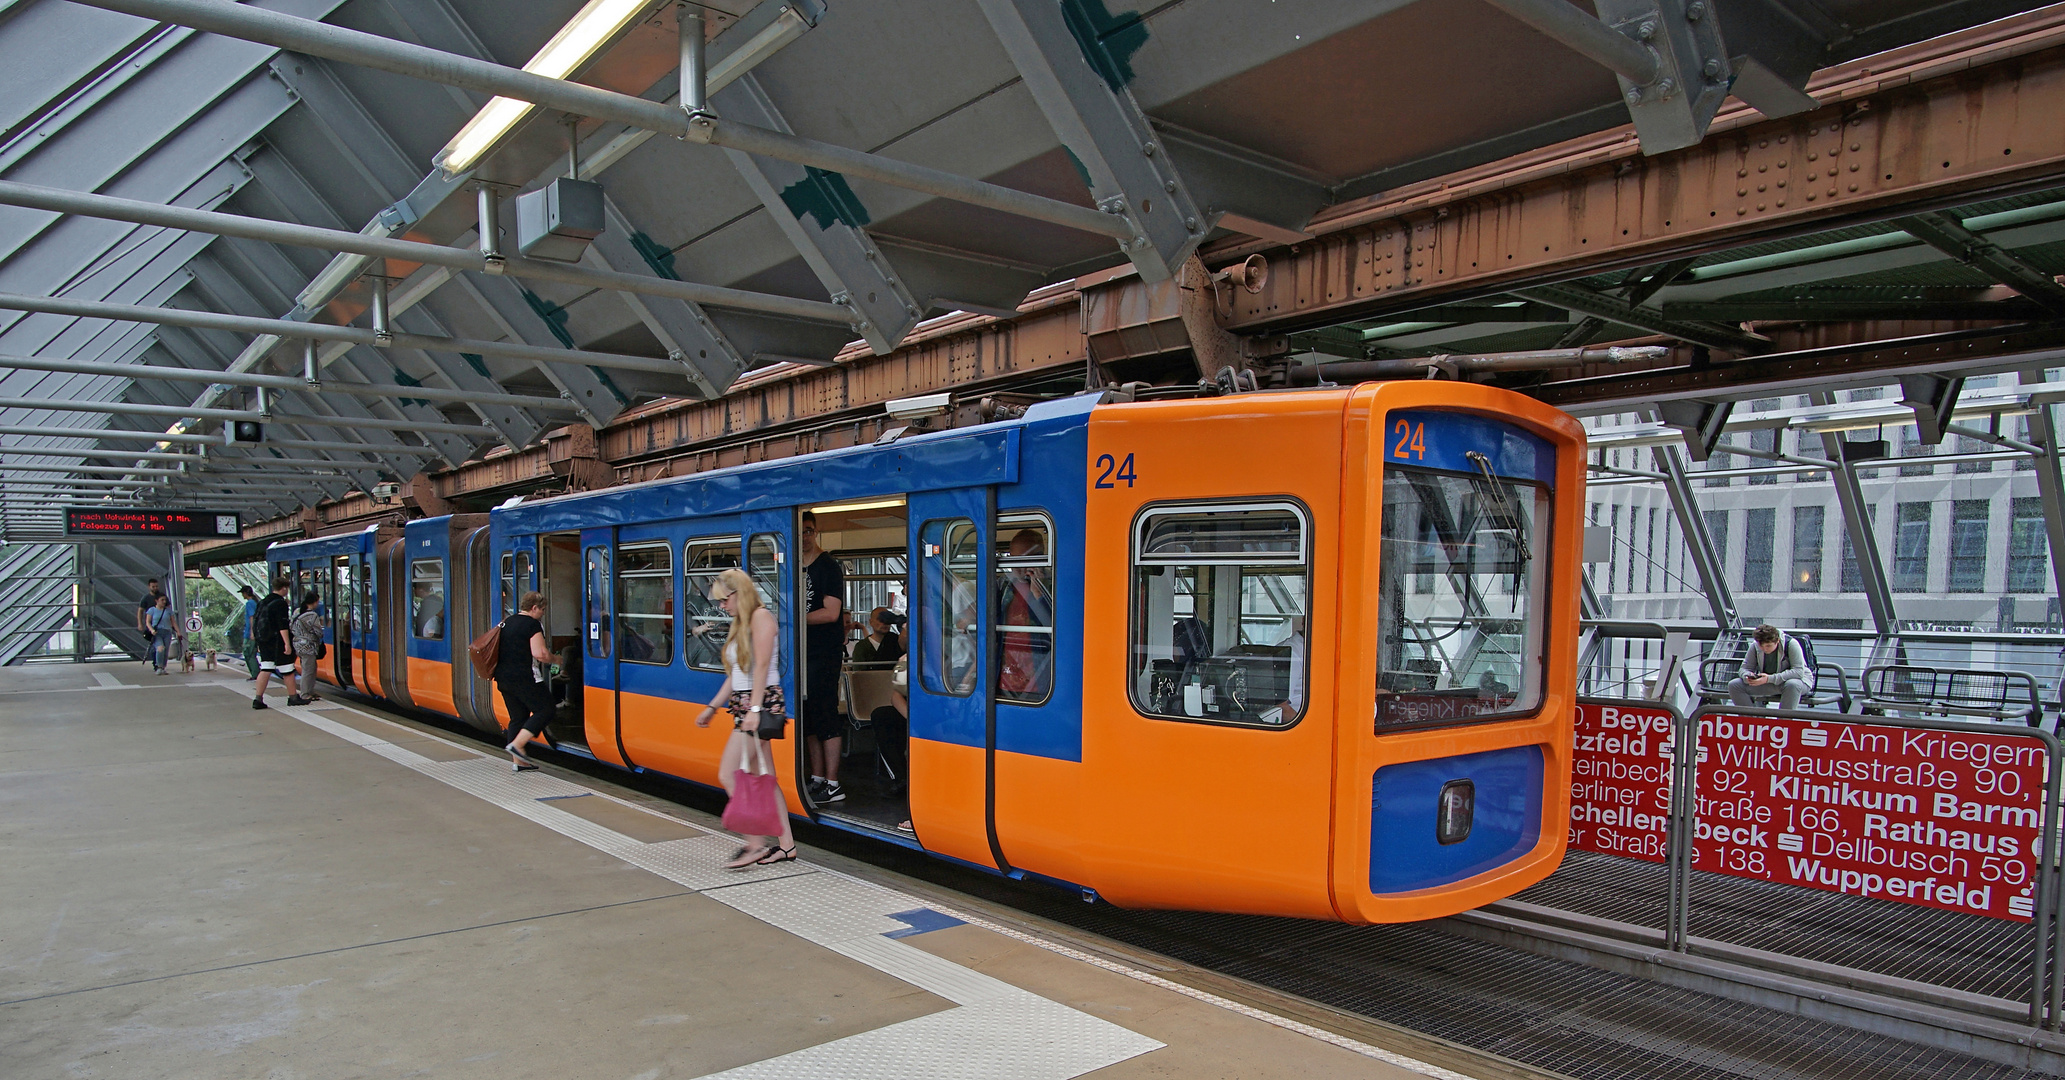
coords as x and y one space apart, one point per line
522 665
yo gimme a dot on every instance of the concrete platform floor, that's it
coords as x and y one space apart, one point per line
192 888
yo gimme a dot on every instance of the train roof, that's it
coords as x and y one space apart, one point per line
961 457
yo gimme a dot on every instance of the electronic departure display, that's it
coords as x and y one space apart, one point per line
83 521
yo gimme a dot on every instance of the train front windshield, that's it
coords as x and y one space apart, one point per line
1461 604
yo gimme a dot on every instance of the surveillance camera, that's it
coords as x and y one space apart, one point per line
913 408
385 492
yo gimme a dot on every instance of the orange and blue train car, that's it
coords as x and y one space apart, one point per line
1307 653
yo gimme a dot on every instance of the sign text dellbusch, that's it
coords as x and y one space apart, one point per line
1946 819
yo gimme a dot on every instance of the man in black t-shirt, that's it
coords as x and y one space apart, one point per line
824 642
275 648
143 618
521 663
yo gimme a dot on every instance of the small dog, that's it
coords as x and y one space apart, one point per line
210 659
186 664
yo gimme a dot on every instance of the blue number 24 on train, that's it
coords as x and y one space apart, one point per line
1306 653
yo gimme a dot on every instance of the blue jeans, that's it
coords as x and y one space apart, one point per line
161 650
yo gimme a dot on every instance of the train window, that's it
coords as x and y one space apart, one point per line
1220 597
1025 608
764 566
701 561
516 579
645 602
599 634
948 606
1470 645
427 598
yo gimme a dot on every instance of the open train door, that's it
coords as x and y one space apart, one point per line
952 695
768 541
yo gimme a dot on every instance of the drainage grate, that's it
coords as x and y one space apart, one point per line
1946 948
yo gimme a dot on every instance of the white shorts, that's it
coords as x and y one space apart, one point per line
277 669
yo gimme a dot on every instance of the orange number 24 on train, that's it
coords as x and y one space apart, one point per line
1412 441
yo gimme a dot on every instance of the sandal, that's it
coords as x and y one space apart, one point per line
787 854
748 858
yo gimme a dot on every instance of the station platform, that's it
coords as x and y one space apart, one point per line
199 889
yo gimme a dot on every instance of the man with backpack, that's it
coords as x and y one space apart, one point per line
1776 667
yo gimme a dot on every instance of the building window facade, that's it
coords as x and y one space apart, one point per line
2028 544
1807 533
1911 548
1968 545
1759 541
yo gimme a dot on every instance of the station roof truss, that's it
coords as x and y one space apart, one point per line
285 213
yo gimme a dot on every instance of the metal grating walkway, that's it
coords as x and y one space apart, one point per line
1947 948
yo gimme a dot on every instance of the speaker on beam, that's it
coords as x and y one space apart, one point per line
244 432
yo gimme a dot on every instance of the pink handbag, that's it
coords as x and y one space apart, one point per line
755 808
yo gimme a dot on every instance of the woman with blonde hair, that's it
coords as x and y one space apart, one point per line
752 692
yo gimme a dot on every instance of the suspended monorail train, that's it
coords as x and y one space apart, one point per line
1307 653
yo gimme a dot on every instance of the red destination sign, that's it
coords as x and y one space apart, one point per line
1937 818
1620 781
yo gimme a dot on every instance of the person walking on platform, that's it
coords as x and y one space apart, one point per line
144 607
164 630
753 695
824 649
306 632
250 632
522 667
275 645
1776 667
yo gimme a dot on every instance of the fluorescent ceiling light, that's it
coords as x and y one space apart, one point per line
597 25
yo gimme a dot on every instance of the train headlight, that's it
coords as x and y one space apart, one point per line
1455 811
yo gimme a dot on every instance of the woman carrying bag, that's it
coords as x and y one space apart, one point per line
522 662
753 694
306 631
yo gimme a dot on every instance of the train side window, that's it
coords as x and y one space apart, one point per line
948 606
764 566
516 579
1221 594
702 560
645 602
599 631
427 598
1025 608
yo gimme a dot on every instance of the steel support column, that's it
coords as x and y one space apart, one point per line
1713 577
2050 486
1857 524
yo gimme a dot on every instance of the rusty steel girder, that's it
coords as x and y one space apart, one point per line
1945 122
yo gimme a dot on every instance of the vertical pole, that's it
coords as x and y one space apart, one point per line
694 85
573 147
1671 462
82 617
311 366
383 334
2050 485
1857 524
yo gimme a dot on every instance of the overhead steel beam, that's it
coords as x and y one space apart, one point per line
1584 211
829 235
1947 234
402 58
281 232
1613 309
1084 96
1699 544
125 408
515 310
707 356
198 460
239 324
277 382
210 470
188 438
1858 526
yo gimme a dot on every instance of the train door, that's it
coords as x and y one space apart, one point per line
339 606
952 695
767 563
514 578
560 579
366 621
598 646
472 604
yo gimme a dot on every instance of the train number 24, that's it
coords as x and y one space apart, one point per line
1108 464
1412 441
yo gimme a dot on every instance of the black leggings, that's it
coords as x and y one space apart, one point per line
893 736
529 705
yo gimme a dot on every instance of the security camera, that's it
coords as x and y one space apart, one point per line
914 408
386 492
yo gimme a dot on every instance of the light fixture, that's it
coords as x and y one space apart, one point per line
853 507
912 408
587 33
